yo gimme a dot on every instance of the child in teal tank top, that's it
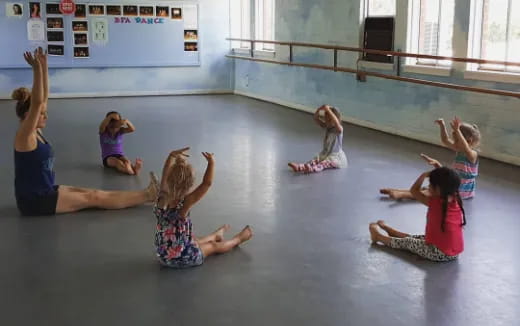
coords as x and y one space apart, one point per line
465 139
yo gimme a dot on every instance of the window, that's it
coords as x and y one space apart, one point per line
374 8
430 30
495 34
240 12
262 26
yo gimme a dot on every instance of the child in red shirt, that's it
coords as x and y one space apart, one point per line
443 239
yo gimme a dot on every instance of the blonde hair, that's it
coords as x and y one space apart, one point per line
471 133
180 179
22 96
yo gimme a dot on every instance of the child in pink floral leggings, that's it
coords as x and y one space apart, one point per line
332 155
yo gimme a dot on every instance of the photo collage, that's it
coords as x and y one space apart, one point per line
50 23
80 27
171 12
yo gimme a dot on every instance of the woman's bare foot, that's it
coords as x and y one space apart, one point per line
293 166
245 234
137 166
374 232
219 233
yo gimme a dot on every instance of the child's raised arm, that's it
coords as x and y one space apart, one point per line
433 162
317 117
163 190
129 128
203 188
444 135
416 189
470 152
335 120
30 123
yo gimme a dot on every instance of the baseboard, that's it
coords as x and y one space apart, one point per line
128 93
367 124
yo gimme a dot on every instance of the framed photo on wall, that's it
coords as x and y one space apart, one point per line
162 11
80 26
55 36
81 11
114 10
52 9
81 52
190 47
55 50
146 11
176 13
80 39
129 10
54 22
35 10
14 9
96 10
191 35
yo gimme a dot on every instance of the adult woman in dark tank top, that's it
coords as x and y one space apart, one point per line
35 190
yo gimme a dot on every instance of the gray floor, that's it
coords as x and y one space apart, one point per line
310 263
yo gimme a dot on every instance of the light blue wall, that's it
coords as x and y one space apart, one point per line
402 108
214 74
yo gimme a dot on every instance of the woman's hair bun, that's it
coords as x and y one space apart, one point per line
21 94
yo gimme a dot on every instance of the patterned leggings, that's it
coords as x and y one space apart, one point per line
315 166
417 245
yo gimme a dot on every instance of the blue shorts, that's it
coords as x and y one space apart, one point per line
38 204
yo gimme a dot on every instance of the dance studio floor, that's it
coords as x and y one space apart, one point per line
310 262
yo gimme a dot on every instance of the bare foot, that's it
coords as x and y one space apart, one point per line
153 188
245 234
137 166
384 191
293 166
219 233
382 225
374 232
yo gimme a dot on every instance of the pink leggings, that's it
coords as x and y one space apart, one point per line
315 166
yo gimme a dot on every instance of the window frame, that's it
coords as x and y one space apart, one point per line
413 39
256 23
259 25
475 46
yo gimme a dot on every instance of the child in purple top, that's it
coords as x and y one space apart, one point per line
111 132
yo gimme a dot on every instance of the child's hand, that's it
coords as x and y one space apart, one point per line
455 123
114 116
180 152
322 108
440 122
431 161
208 156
